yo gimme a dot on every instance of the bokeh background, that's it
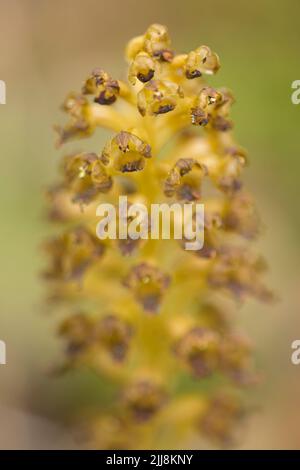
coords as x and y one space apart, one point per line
46 49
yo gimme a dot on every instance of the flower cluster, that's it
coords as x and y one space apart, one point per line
152 318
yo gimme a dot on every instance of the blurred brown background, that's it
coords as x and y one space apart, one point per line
46 49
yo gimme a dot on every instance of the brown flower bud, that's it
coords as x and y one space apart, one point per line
127 152
86 176
200 61
144 399
79 126
200 350
142 68
219 120
237 271
76 330
114 335
223 412
158 97
240 216
157 42
103 86
184 180
148 285
204 105
236 360
72 253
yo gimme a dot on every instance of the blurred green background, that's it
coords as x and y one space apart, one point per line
46 49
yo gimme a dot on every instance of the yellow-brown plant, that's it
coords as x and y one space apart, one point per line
147 315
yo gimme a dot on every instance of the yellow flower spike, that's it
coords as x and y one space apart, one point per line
150 322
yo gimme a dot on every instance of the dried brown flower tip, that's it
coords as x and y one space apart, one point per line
144 399
128 246
127 152
103 86
85 335
220 418
184 180
157 42
211 243
148 285
236 360
114 334
142 68
158 97
220 121
240 216
200 349
212 106
76 330
238 271
72 253
206 351
202 60
204 105
86 176
80 125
